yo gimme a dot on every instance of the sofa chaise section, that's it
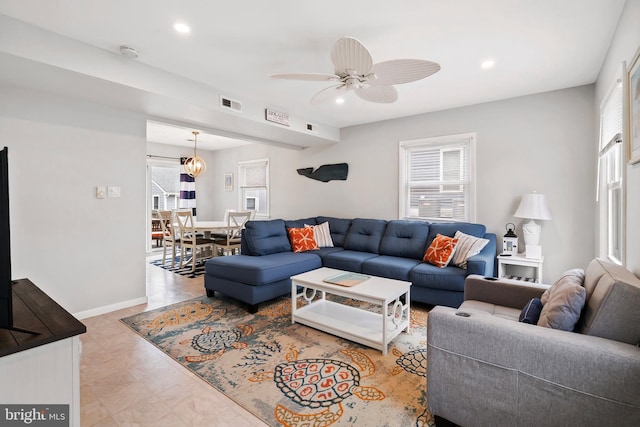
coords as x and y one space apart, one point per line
259 278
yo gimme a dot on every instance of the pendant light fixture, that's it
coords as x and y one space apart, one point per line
195 165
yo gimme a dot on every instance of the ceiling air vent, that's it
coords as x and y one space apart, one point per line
312 128
230 104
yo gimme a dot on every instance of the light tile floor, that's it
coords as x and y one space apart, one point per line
126 381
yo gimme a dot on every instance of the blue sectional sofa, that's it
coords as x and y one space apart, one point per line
392 249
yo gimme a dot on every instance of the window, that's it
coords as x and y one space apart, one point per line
610 189
436 178
254 186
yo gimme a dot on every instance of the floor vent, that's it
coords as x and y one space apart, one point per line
230 104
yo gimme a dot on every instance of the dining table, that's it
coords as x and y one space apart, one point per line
208 227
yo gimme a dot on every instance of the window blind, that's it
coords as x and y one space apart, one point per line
438 180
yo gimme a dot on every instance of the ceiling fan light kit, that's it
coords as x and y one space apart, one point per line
355 70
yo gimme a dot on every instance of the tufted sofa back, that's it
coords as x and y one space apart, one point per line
365 235
406 239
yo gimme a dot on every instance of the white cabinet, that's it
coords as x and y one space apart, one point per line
505 261
42 368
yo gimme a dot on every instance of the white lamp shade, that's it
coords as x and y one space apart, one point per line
533 206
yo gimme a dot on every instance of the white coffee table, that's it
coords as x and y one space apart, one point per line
374 330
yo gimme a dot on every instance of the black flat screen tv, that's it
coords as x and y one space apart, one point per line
6 296
6 305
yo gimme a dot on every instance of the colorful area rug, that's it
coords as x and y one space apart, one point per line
290 374
184 271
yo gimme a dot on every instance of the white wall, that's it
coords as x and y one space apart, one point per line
625 44
84 252
540 142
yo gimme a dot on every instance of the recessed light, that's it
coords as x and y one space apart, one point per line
181 28
487 64
340 100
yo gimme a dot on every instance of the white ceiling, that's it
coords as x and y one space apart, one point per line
164 133
537 45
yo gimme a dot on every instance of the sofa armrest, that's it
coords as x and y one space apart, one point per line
505 292
486 370
484 262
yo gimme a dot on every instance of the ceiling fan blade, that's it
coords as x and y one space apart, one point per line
380 93
398 71
349 54
332 92
308 77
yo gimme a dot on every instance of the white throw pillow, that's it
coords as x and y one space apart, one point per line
322 234
467 247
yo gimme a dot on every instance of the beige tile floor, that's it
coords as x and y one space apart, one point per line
126 381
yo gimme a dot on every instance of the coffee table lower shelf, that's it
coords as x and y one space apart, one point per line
354 324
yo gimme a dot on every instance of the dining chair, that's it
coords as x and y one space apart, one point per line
156 229
200 248
169 237
222 235
232 238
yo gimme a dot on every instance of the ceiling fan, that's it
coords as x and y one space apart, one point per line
355 70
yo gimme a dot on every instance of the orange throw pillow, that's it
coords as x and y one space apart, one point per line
441 250
302 239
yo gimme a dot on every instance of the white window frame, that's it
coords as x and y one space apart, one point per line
242 167
154 161
461 175
453 141
611 176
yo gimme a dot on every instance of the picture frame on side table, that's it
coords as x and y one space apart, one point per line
633 106
228 182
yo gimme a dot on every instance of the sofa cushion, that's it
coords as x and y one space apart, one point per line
563 301
440 251
407 239
391 267
613 301
302 239
260 270
339 228
266 237
430 276
365 235
449 229
467 247
321 252
347 260
531 312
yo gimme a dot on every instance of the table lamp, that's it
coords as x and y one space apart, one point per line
533 206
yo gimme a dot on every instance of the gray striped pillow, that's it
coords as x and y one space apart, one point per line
322 235
467 247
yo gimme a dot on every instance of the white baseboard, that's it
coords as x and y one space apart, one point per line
109 308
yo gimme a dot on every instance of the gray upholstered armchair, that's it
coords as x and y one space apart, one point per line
489 369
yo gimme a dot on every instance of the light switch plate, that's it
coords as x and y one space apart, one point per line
101 192
113 191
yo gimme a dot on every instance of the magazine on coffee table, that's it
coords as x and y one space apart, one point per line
346 279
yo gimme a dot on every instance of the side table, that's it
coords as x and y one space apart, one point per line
506 260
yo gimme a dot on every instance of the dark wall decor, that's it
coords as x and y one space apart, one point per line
326 173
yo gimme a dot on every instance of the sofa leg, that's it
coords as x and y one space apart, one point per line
253 308
443 422
211 293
